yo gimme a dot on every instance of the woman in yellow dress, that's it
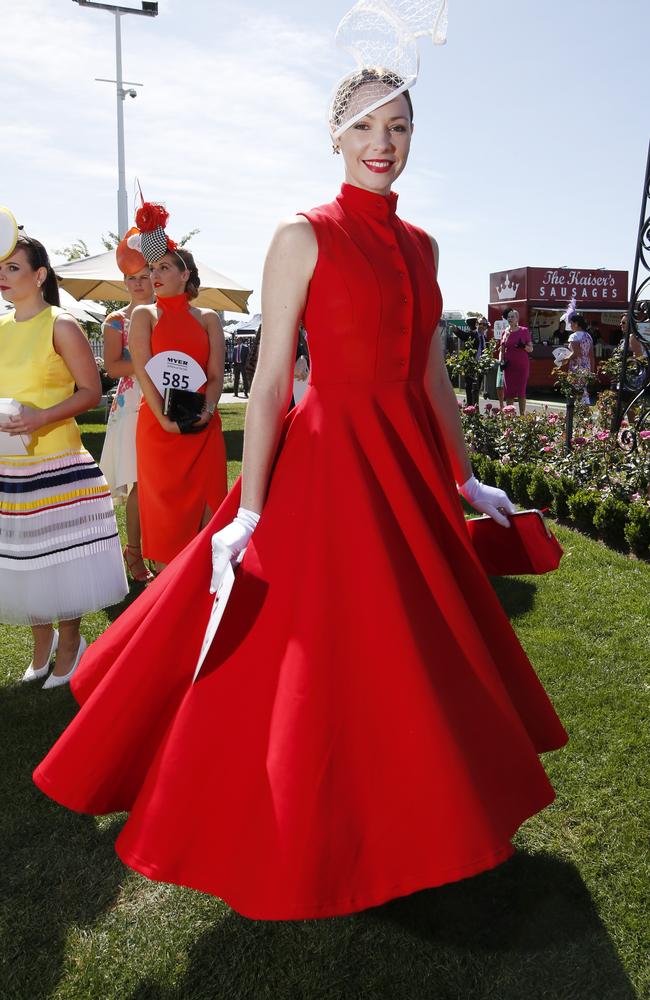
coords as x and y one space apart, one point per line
60 553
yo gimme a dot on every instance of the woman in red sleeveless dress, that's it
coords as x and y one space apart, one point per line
181 476
365 723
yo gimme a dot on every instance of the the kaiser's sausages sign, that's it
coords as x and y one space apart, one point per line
595 287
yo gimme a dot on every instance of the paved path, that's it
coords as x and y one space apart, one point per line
229 397
532 405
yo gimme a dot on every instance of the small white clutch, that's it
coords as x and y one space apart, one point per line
11 444
216 614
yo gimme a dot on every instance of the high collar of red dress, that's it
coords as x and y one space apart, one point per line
173 303
379 206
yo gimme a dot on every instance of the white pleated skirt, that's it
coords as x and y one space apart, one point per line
60 552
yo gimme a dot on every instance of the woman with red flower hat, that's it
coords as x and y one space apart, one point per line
181 465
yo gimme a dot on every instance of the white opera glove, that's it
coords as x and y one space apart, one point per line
488 500
229 544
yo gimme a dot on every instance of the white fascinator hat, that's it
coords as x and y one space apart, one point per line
381 36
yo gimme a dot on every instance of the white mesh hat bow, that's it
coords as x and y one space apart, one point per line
382 38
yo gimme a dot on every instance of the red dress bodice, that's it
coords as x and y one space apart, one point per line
374 301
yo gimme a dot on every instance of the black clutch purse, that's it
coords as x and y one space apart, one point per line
184 408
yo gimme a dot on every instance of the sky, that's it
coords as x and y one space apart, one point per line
530 143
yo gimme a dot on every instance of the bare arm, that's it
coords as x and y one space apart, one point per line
116 366
289 266
140 329
574 347
443 400
445 407
216 359
71 344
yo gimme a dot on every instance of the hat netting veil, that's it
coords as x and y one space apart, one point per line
382 38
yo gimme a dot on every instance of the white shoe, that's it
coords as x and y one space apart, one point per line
53 681
35 673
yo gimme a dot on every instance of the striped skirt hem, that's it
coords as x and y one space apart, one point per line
60 553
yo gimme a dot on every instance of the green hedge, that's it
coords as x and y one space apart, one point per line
582 508
637 529
617 523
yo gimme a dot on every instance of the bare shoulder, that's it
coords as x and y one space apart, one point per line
144 314
295 236
436 250
208 318
66 325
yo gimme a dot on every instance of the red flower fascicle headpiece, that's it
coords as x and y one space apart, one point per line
152 240
150 216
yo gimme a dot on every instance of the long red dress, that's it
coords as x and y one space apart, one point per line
179 475
366 723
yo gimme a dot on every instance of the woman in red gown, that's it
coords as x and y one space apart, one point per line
366 723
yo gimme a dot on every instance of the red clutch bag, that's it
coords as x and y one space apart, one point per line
527 546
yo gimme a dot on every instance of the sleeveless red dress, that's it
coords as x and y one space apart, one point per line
179 475
366 723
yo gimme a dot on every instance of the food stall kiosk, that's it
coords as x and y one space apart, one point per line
541 295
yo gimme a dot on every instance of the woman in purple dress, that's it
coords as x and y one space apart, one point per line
516 345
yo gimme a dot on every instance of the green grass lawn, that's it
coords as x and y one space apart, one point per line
562 920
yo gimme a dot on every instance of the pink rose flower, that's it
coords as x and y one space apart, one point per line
579 441
644 435
547 448
488 407
543 437
509 410
469 409
603 435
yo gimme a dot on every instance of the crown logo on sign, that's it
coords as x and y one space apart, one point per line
507 290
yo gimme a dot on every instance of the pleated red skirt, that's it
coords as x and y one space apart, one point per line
366 723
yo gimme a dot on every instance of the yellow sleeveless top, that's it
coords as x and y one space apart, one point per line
32 372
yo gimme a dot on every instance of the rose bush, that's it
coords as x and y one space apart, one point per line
602 487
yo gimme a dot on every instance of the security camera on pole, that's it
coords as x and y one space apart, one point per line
148 10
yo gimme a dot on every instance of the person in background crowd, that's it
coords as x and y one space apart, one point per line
181 467
477 339
251 360
500 365
118 461
240 357
516 345
582 347
560 335
635 345
60 553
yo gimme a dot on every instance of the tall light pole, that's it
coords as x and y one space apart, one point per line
148 10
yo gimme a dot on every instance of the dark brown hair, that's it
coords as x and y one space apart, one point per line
37 257
189 264
579 320
352 84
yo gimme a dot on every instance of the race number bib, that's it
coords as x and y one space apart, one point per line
174 370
